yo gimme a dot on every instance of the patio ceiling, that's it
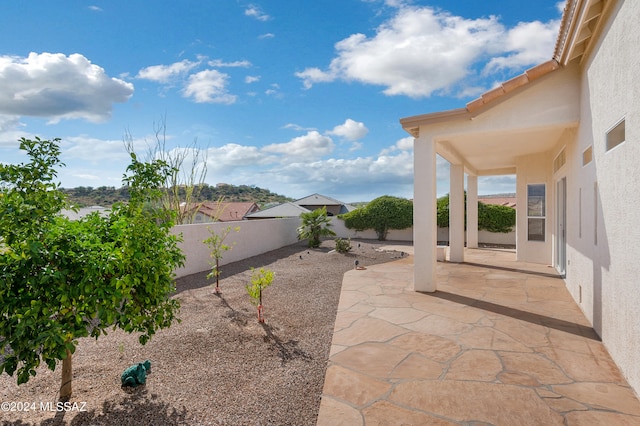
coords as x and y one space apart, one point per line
495 153
525 115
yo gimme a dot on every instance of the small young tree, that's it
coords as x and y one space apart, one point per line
315 225
61 280
216 244
259 281
382 214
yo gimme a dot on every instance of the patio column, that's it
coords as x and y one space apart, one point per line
424 214
456 213
472 211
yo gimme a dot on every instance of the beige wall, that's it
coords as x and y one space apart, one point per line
533 169
484 237
369 234
255 237
604 196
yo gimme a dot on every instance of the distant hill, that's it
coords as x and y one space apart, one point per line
85 196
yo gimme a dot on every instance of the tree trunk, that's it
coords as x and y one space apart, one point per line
67 376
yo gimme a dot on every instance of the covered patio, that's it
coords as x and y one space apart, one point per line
516 129
501 342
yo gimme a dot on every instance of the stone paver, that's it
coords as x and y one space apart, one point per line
500 343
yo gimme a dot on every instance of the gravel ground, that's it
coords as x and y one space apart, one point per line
218 366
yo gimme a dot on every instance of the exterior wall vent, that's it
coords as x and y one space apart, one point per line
616 135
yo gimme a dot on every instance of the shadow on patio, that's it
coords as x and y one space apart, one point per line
501 342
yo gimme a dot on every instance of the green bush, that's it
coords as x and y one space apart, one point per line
382 214
491 217
343 246
495 218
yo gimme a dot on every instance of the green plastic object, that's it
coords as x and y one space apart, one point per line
136 374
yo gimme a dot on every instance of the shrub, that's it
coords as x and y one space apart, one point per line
343 246
491 217
382 214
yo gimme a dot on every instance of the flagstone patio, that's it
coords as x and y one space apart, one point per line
500 343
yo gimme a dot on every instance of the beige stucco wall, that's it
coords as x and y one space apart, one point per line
605 197
533 169
255 237
484 237
394 234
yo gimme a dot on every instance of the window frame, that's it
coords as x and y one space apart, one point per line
536 211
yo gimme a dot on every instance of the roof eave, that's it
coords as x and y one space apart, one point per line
481 104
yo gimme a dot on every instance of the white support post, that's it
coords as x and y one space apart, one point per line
456 214
425 232
472 211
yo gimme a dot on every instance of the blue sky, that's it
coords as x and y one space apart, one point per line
294 96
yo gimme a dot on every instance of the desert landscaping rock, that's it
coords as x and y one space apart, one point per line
218 366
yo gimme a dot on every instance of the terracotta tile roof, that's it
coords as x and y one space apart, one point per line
509 201
581 20
412 124
510 85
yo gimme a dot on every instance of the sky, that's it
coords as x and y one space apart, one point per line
298 97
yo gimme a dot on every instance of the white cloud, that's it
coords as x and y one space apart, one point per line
56 86
93 150
251 79
218 63
526 44
230 157
266 35
404 144
95 8
308 147
351 130
208 86
256 12
86 176
422 51
164 73
297 127
315 75
10 131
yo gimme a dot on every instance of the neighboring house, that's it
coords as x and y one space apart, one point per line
84 211
569 129
508 200
282 210
317 201
223 212
304 205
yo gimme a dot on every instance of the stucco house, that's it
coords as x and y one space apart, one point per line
303 205
568 129
222 212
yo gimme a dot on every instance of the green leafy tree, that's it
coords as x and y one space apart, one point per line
260 280
381 214
61 280
315 225
216 244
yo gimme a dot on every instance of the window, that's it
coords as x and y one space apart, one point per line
587 156
580 214
559 161
595 213
616 135
536 212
